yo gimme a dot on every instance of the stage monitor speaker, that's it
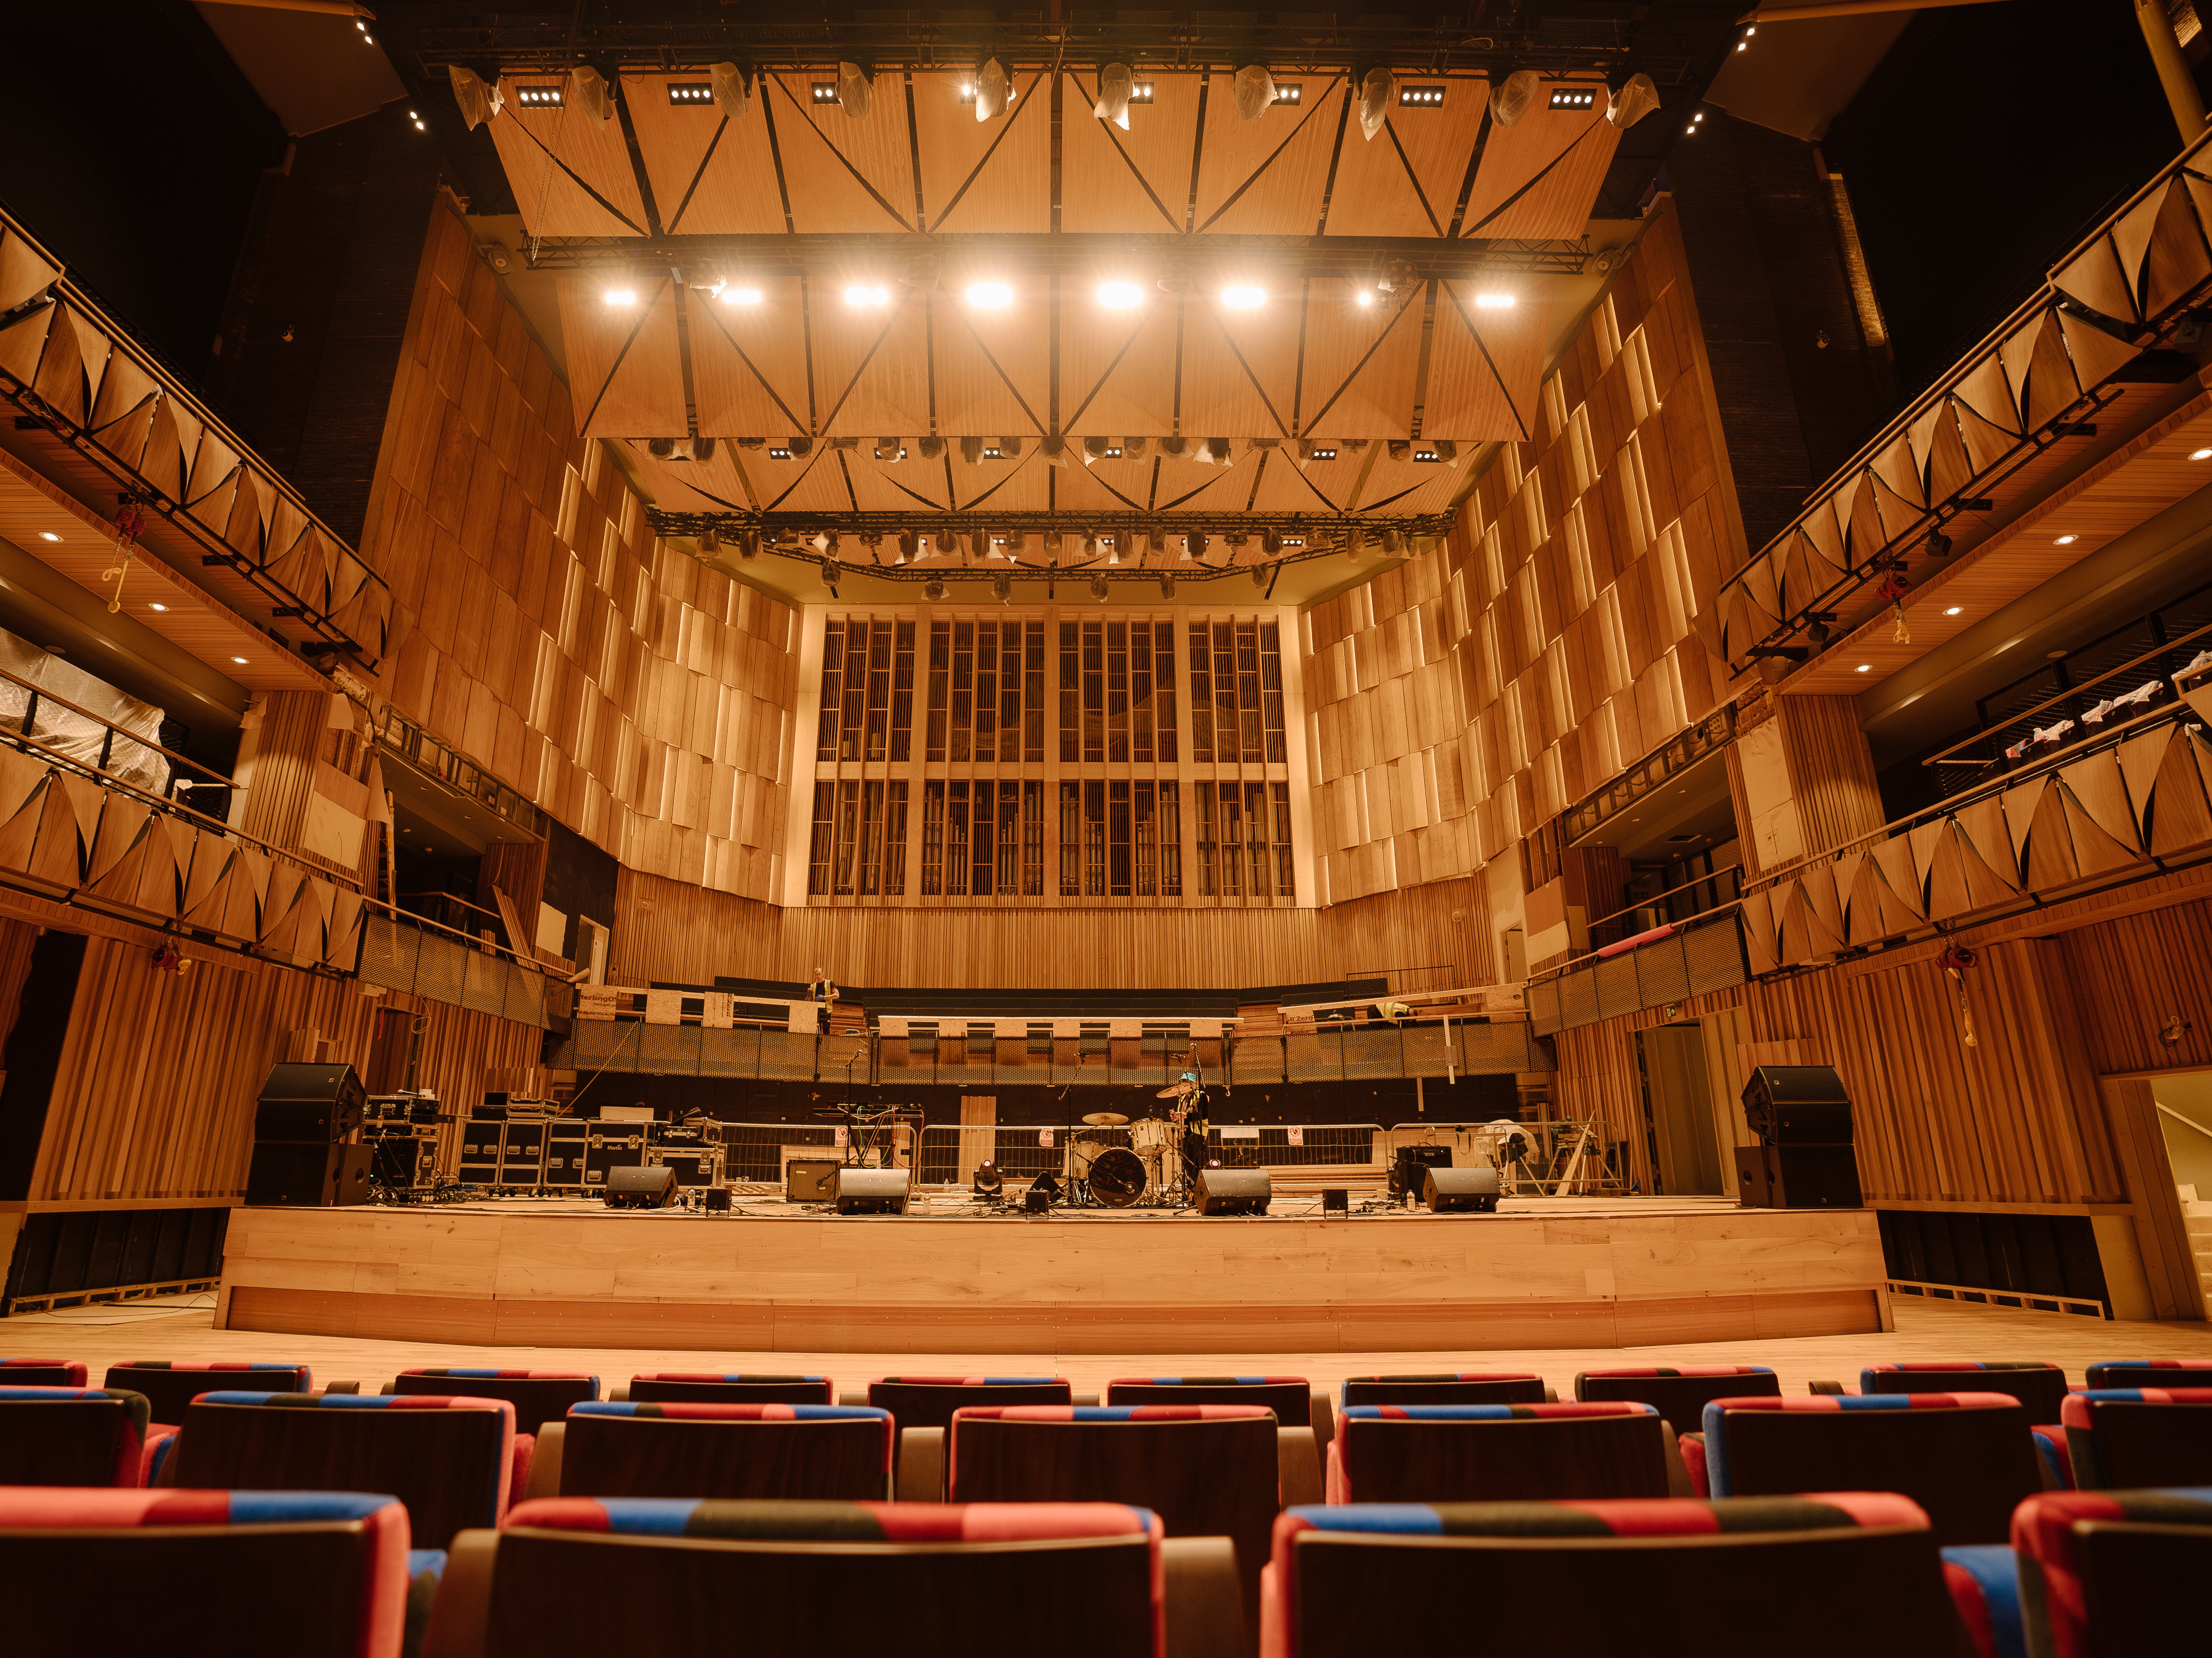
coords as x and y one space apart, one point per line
872 1191
1797 1105
1813 1177
640 1188
715 1200
308 1176
1336 1200
1235 1191
1460 1191
811 1179
1407 1164
308 1103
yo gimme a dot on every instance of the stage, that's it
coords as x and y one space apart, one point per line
1541 1274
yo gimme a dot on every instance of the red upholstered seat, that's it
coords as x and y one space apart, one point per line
1967 1459
2151 1373
1827 1575
573 1578
684 1448
42 1373
452 1461
2114 1574
2037 1385
1678 1394
712 1387
1447 1387
72 1437
245 1573
170 1384
538 1396
1496 1453
1290 1397
928 1401
2124 1437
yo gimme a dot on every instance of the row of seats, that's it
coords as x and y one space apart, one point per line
1831 1575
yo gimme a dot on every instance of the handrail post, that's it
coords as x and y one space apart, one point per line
30 712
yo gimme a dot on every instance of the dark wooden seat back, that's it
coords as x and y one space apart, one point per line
2136 1445
2040 1387
448 1466
840 1459
733 1389
1520 1459
1460 1390
2150 1373
1682 1399
169 1387
916 1403
70 1437
42 1373
1289 1397
537 1399
2135 1574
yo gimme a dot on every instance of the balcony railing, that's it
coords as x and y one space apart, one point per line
437 758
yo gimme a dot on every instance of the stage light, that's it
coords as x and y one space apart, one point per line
861 297
779 452
1574 98
1193 546
1938 545
990 296
1494 301
933 590
1955 610
690 92
1121 297
741 296
1167 586
1116 90
749 543
825 92
621 296
1365 297
1426 97
988 1181
538 97
1099 589
1243 297
1261 576
909 546
1002 588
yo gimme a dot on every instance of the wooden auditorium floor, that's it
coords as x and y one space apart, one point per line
100 1336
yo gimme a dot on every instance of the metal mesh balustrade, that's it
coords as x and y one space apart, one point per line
951 1152
402 957
1293 1145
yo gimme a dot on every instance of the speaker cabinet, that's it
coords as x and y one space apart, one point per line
1814 1177
305 1103
640 1188
872 1191
1754 1179
1797 1105
308 1176
1235 1191
811 1179
1460 1191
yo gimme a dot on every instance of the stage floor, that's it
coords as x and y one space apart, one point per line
1541 1274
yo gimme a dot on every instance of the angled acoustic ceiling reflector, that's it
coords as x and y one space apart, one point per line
479 100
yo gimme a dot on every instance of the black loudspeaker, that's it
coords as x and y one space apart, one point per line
1797 1105
1336 1200
309 1103
811 1179
1235 1191
308 1176
1460 1191
716 1198
1813 1177
640 1188
1754 1175
1406 1168
872 1191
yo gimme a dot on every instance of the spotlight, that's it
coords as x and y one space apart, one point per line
1002 588
748 544
48 535
1113 546
1243 297
620 296
1121 297
1116 88
2067 541
909 548
1098 588
933 590
933 448
1393 542
863 297
1938 545
1261 575
741 296
990 296
1494 301
710 543
1365 296
989 1182
1193 546
1167 585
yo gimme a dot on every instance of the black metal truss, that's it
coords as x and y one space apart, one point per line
935 524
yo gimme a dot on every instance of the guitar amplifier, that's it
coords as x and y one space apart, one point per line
811 1179
565 1144
605 1153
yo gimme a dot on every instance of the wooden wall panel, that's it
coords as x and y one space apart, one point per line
1832 769
2140 977
1432 936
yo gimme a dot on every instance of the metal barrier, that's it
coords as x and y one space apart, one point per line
1294 1145
951 1152
757 1153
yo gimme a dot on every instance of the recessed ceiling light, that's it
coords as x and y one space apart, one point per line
1243 297
864 296
1494 301
48 535
621 296
1865 666
1365 296
741 296
239 660
157 607
990 296
2201 455
1955 610
2067 541
1121 297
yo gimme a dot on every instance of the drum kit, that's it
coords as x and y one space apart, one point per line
1155 1168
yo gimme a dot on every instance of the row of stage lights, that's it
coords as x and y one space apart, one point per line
999 296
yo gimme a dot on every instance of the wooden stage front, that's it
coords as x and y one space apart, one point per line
1558 1272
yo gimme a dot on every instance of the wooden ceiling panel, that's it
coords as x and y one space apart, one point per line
871 365
984 175
1320 487
1409 486
1239 368
1538 179
1009 486
571 175
1267 177
1360 364
711 175
681 486
1137 181
625 374
1192 488
749 361
1405 182
1105 486
813 483
1117 373
1485 366
839 174
991 370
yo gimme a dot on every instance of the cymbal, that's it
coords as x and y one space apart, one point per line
1105 1119
1175 1093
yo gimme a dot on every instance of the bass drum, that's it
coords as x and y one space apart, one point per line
1117 1177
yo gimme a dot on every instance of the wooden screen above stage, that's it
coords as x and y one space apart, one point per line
1056 756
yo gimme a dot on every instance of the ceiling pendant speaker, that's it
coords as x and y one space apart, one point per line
855 90
1116 84
1253 89
1513 97
481 100
1376 93
593 95
1635 98
727 83
992 88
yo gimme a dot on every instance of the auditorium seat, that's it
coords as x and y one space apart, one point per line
2114 1574
2151 1373
1206 1470
1290 1397
1965 1458
573 1578
253 1574
538 1396
42 1373
685 1449
2127 1437
72 1437
1824 1575
2037 1385
1464 1387
710 1387
1500 1453
1680 1395
922 1407
171 1384
453 1462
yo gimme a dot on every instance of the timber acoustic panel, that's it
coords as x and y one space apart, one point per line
1464 697
640 698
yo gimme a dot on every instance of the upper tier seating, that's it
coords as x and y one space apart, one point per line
538 1396
1967 1459
709 1387
2138 1437
2037 1385
72 1437
42 1373
682 1449
171 1384
1499 1453
574 1577
1829 1576
1206 1470
245 1573
452 1462
1680 1395
2113 1574
1463 1388
2150 1373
